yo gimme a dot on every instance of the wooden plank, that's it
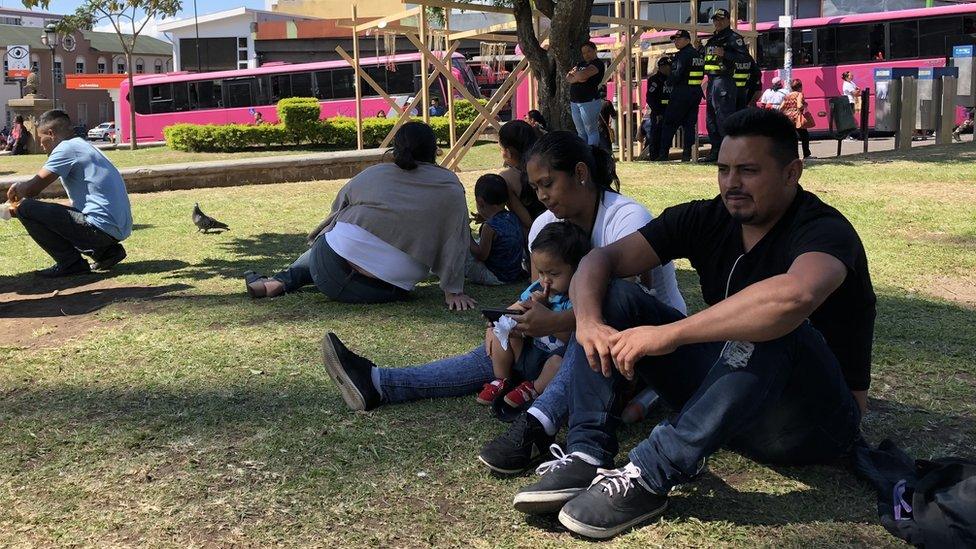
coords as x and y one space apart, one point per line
497 109
511 39
694 42
359 92
412 12
424 81
405 115
452 121
449 76
466 6
508 25
495 103
369 79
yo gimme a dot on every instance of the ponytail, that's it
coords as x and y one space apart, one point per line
563 150
414 143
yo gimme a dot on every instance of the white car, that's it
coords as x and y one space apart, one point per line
104 131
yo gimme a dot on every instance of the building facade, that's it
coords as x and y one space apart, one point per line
83 52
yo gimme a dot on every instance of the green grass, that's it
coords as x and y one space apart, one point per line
159 406
482 156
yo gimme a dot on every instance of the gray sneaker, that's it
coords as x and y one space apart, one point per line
563 479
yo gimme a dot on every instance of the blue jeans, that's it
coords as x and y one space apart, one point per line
462 375
334 277
779 401
721 104
586 118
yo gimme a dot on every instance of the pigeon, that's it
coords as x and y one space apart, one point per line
206 223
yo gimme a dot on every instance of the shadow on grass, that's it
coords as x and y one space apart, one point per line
31 284
83 302
265 253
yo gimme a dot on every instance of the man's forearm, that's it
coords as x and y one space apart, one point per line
589 286
763 311
31 187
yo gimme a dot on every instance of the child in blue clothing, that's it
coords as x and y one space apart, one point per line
556 253
496 256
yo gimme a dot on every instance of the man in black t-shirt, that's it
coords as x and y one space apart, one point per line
777 367
584 94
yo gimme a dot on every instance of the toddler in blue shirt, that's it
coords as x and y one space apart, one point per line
556 253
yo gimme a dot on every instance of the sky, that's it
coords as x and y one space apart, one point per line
204 7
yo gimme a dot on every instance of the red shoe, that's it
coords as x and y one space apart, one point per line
521 395
491 391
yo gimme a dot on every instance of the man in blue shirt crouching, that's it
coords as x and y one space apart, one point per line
99 217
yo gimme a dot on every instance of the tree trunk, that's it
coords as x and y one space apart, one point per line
570 28
132 104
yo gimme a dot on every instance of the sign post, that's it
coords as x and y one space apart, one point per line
18 62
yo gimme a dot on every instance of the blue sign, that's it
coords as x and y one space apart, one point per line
962 51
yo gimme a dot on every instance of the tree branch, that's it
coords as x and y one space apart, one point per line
547 7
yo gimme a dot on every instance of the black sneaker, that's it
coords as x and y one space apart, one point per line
618 500
79 267
351 373
563 479
109 258
518 448
708 160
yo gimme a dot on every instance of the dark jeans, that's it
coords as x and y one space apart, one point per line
779 401
721 104
653 130
682 112
804 136
63 232
334 277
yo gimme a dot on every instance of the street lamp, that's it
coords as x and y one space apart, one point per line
50 39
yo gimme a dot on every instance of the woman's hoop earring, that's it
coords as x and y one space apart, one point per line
582 182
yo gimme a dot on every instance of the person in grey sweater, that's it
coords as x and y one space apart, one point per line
390 227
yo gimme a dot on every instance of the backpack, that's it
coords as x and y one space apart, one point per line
929 504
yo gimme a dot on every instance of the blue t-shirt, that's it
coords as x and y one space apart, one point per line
94 186
505 258
557 302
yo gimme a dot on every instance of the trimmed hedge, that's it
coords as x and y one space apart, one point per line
300 116
338 132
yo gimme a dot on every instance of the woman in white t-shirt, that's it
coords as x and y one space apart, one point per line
577 183
850 89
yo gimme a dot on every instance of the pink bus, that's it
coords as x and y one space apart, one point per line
230 97
826 47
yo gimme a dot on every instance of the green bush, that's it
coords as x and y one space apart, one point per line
464 111
300 116
338 133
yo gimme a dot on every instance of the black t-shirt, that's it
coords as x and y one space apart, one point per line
704 233
584 92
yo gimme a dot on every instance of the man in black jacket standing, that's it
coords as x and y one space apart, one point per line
685 82
658 96
723 51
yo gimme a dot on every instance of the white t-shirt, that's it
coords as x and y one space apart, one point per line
375 256
620 216
772 97
849 88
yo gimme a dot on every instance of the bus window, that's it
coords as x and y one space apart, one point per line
238 93
400 81
903 40
802 48
301 84
181 101
203 96
933 32
878 42
771 50
161 98
343 84
378 74
142 100
280 87
323 85
850 44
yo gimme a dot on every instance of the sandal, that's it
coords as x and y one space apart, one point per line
250 277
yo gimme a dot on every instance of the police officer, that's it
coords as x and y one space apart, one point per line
749 92
685 82
723 50
658 95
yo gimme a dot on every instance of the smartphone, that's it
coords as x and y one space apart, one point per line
495 313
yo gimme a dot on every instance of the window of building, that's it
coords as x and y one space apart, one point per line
120 66
58 70
140 66
11 21
79 65
103 115
102 67
82 114
216 54
242 43
158 66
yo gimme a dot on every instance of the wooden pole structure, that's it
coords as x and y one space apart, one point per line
638 72
424 82
451 121
359 92
694 42
619 86
629 87
405 114
479 125
754 40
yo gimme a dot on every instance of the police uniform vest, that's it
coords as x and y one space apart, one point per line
688 68
740 75
727 39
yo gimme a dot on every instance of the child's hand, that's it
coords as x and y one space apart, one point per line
476 218
542 297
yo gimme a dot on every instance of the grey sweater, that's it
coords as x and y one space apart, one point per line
421 212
